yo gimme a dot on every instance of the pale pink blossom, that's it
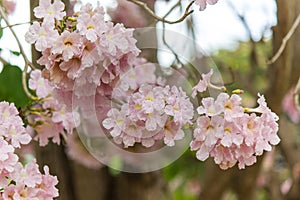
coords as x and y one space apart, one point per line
232 105
11 126
146 118
230 135
42 35
8 113
171 132
116 120
89 23
47 189
179 106
17 135
48 130
210 107
116 42
28 175
39 84
68 44
203 3
50 11
69 120
8 159
202 84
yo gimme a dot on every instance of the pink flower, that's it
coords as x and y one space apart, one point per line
17 135
47 189
50 11
115 120
155 120
89 23
48 129
210 107
69 120
8 159
68 44
202 84
39 84
171 132
232 105
116 42
89 56
232 135
229 135
203 3
43 35
28 175
8 113
224 156
11 126
179 106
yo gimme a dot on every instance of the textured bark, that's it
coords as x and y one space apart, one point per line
91 184
285 73
145 186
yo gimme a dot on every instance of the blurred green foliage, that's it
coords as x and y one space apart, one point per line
11 88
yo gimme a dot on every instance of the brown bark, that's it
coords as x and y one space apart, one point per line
285 73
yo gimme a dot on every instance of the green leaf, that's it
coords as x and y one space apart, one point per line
16 53
11 88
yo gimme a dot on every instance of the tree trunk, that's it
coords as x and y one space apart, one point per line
285 73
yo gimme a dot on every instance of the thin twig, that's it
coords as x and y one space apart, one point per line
162 19
26 60
285 40
12 25
173 7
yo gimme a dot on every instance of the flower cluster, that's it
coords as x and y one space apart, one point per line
83 47
11 126
232 134
49 118
149 111
203 3
18 181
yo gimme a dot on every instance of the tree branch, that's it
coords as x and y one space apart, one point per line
162 19
285 40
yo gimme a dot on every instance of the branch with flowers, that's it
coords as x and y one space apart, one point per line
86 57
